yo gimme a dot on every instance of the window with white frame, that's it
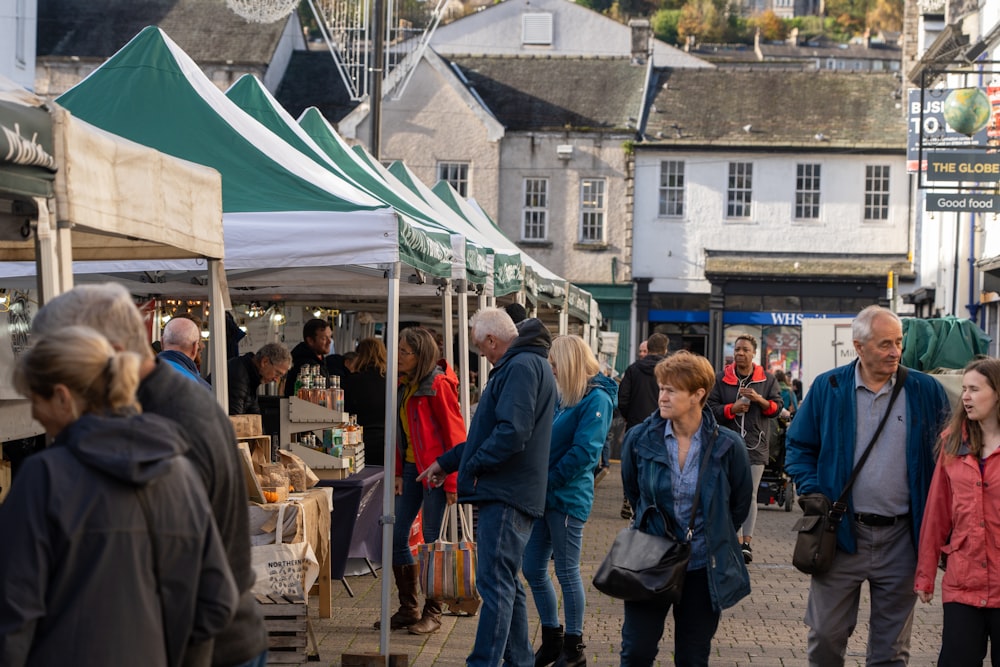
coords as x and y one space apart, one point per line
592 202
876 192
456 173
672 188
739 190
807 192
536 209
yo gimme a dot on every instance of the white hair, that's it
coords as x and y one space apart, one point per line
180 333
861 327
493 322
107 308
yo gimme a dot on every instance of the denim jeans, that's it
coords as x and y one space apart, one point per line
502 633
559 537
415 495
695 623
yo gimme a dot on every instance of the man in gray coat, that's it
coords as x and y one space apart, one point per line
108 308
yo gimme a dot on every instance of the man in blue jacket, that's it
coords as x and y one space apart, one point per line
503 468
876 541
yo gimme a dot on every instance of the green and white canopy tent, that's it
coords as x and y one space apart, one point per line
469 262
70 191
280 210
542 284
508 260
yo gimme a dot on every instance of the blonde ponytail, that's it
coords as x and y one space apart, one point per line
80 358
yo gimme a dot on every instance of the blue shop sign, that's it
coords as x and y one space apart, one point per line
737 317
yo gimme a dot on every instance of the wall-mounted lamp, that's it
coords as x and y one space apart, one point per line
564 151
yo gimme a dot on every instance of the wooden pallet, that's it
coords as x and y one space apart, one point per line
286 619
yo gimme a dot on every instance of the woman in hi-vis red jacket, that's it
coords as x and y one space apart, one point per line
430 423
962 522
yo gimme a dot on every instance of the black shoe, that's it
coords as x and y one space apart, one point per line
626 510
747 553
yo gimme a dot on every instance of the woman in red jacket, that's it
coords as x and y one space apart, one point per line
430 423
962 522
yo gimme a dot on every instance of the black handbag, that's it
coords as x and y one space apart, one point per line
816 530
649 568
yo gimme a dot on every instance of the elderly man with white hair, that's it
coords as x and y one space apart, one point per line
181 348
503 468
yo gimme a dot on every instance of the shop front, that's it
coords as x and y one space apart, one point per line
765 304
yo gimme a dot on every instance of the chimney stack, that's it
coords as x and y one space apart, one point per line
642 40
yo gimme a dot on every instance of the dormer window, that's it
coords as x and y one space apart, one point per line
536 29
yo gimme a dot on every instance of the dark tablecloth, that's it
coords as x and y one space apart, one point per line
354 527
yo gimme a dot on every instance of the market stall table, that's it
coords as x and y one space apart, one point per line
355 531
317 505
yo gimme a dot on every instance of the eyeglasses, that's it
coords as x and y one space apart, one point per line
407 353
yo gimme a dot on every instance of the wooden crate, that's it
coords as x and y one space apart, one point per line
246 426
287 635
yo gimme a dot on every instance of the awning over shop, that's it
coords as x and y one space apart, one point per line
761 266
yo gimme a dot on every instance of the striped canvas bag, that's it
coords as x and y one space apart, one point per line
448 569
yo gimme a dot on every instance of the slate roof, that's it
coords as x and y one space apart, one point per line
782 109
536 93
312 80
839 51
206 29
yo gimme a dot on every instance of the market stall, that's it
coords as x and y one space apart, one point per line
70 191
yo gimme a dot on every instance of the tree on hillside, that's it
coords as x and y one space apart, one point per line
850 15
664 24
772 28
887 15
705 20
597 5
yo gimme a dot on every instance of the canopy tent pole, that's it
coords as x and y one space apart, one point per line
391 416
447 324
564 314
484 366
64 252
521 297
463 349
218 298
46 254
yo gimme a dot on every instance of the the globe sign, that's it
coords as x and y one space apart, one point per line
967 110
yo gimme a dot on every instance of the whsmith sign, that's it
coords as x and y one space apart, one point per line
962 202
963 166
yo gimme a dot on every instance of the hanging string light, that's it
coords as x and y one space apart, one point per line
262 11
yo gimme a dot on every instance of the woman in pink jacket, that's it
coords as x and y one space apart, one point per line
962 522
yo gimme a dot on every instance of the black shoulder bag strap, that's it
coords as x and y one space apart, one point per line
839 508
697 494
697 488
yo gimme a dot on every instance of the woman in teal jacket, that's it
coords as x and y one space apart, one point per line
661 462
580 425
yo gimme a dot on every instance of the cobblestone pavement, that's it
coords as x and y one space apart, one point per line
764 630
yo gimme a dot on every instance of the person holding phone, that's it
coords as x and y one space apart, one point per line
744 399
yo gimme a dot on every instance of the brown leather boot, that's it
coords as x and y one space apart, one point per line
406 581
431 620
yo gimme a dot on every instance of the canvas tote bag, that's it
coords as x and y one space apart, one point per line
285 568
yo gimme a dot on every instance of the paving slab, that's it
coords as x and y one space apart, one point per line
763 630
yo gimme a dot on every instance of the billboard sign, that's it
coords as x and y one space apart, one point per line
928 128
